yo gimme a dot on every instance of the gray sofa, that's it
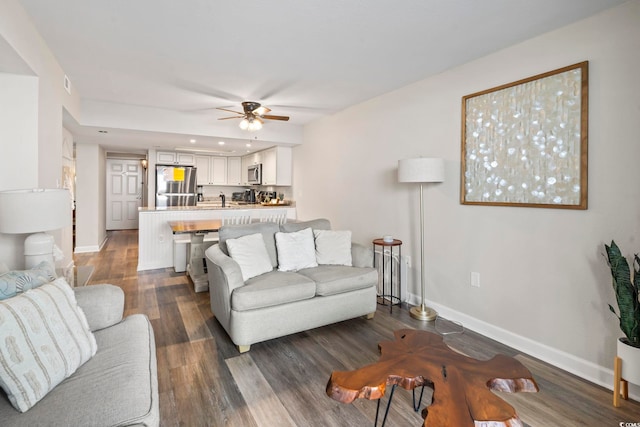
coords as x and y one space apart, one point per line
116 387
280 303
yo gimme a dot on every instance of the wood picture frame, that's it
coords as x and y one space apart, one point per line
525 143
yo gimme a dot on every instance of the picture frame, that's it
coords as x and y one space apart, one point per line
525 143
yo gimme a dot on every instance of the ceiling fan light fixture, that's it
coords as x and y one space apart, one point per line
244 124
255 124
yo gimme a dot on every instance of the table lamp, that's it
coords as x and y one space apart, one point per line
422 170
35 211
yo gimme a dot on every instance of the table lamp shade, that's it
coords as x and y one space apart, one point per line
32 211
422 169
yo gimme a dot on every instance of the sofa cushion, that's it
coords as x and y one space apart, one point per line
118 386
15 282
44 338
296 250
336 279
103 304
333 247
274 288
251 255
268 230
314 224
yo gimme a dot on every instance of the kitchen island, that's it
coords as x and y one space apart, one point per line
155 238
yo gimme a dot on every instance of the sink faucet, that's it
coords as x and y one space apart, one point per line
222 196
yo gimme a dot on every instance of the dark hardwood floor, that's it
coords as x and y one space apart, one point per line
204 381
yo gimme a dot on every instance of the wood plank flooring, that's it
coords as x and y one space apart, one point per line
204 381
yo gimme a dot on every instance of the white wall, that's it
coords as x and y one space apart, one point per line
544 283
90 205
18 141
39 159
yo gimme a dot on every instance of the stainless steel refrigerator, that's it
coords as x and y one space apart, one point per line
175 186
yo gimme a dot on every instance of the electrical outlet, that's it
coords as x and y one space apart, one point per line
407 259
161 238
475 279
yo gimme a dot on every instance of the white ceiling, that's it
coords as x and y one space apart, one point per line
151 72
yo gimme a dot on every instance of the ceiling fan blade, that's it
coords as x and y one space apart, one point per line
261 111
227 118
270 117
230 111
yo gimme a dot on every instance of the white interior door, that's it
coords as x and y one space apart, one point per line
124 193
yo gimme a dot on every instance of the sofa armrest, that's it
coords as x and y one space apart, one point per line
224 276
103 305
361 256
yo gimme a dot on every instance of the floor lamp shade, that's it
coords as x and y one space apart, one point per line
35 211
421 170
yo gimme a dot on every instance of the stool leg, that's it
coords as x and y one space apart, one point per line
617 370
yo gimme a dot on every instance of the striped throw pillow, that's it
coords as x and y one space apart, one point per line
44 338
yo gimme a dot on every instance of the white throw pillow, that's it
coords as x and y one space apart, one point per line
296 250
44 338
333 247
251 254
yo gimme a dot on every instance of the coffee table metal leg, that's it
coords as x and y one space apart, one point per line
417 408
386 412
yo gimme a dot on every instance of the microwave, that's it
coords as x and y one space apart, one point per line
254 174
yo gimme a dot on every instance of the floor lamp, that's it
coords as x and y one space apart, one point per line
422 170
35 211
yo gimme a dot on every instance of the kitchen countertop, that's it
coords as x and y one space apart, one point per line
217 206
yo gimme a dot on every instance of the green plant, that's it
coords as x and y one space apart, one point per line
626 292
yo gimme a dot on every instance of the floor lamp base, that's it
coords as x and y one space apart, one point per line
422 312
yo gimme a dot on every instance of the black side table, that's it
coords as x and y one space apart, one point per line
388 298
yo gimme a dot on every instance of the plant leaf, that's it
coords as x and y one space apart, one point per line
626 291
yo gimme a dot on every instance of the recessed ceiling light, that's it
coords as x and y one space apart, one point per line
248 145
220 142
193 141
103 131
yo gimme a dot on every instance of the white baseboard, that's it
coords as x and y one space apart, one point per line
86 249
92 248
585 369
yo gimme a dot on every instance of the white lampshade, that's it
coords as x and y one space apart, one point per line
422 169
32 211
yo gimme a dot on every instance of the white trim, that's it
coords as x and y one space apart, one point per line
568 362
92 248
85 249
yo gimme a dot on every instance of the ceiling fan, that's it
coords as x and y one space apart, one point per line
253 116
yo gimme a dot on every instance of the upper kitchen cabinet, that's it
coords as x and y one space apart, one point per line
211 170
174 158
276 166
234 171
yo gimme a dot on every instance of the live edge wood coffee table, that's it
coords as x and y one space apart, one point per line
461 385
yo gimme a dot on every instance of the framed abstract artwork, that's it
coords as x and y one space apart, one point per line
525 143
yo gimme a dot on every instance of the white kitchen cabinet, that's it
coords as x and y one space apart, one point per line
218 171
174 158
211 170
202 170
234 171
276 166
